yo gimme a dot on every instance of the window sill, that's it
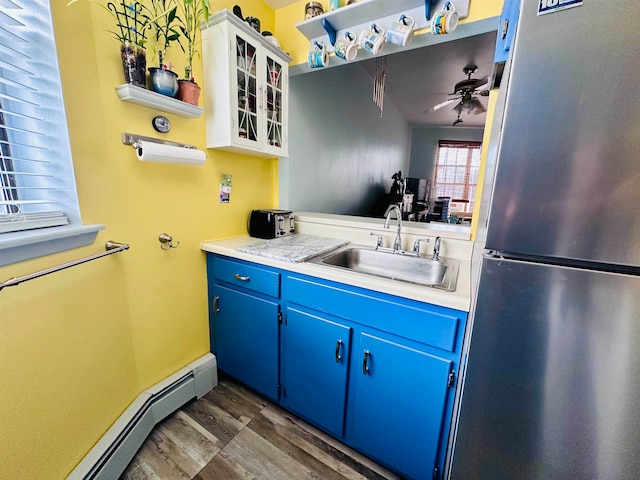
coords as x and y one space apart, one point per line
20 246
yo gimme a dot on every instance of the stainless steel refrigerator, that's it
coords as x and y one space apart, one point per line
552 382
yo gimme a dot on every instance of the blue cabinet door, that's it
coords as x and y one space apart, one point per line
315 360
245 338
399 406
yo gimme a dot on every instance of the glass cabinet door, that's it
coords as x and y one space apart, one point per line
247 91
274 102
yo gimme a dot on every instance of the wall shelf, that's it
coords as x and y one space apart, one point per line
359 15
147 98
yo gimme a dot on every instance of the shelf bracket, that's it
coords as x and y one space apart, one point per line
427 9
331 31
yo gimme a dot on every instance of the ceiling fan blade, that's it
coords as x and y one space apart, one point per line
482 81
441 105
484 93
469 84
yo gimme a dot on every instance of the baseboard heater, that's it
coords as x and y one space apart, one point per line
113 452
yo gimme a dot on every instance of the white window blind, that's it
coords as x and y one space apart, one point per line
36 172
39 210
458 165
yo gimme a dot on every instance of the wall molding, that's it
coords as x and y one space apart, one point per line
113 452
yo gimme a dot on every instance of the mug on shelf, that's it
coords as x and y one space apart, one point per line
346 47
372 39
318 56
445 21
401 32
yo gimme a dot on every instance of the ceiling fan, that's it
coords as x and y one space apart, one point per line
465 92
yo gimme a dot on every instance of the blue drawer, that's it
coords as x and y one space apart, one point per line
421 322
241 274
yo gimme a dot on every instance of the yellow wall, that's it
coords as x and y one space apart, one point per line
77 346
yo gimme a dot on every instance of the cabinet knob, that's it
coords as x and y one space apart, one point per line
365 362
338 356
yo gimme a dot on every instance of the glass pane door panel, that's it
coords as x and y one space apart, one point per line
274 102
247 90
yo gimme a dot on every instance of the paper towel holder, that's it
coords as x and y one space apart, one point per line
134 140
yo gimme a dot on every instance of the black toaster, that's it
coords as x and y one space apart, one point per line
270 223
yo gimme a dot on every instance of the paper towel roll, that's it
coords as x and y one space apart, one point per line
158 152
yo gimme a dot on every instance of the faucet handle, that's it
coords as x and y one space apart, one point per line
379 241
436 250
416 245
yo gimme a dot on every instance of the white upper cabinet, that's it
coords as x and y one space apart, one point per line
246 82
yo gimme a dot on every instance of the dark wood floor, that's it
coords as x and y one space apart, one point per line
232 433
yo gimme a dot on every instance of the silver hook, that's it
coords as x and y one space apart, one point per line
166 241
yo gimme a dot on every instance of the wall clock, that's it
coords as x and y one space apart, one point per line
161 124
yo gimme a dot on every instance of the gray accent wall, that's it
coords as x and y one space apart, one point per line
424 146
341 153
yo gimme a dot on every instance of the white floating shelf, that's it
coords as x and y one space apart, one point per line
147 98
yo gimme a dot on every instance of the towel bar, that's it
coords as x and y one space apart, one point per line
110 247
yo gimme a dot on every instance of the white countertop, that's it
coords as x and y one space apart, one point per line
460 299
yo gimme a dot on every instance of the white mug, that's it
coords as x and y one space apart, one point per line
372 39
401 32
346 47
318 56
445 21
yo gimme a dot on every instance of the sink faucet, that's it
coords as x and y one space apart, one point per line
397 244
436 250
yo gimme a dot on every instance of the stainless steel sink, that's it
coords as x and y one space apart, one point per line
421 270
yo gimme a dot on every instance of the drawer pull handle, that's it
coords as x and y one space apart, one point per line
237 276
214 304
338 356
365 362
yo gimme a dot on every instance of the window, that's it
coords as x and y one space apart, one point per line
457 168
39 211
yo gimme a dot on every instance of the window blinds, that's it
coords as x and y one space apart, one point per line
458 166
36 172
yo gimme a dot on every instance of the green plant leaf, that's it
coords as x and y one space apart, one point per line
172 14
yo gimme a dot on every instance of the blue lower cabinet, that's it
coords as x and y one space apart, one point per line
374 370
245 338
400 398
315 360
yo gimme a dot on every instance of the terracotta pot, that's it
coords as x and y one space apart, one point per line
188 91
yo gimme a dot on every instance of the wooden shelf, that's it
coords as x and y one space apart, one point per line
147 98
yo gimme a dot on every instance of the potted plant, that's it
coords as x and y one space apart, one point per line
130 32
164 22
193 12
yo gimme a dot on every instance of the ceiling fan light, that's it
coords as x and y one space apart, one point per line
476 107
